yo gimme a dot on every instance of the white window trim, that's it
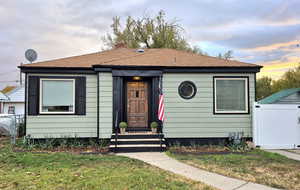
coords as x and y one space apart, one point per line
41 95
245 79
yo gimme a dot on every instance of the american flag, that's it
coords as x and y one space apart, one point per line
161 106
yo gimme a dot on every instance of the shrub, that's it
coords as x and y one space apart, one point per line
238 146
123 124
154 124
50 143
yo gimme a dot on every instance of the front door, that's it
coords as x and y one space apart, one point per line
137 104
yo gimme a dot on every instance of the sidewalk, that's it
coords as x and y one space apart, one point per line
290 155
163 161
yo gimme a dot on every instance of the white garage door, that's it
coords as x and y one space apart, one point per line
276 126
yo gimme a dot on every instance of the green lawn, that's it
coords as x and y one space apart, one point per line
63 171
256 166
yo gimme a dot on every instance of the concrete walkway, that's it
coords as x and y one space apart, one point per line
290 155
163 161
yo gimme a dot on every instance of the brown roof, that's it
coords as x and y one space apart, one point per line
150 57
8 89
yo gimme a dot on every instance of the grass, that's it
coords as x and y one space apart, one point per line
256 166
64 171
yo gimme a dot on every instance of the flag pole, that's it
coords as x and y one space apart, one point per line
161 93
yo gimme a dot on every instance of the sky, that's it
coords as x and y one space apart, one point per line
264 32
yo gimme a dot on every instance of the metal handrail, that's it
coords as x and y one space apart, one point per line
160 137
116 130
160 141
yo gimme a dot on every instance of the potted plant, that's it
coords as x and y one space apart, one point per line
123 125
154 126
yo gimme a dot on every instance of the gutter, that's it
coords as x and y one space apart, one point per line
170 69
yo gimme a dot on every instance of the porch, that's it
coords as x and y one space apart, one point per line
135 101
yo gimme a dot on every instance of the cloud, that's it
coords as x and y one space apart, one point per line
252 36
277 68
291 45
259 31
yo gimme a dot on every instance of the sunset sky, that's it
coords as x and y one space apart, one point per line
264 32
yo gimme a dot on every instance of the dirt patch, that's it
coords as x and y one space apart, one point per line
3 141
297 151
202 150
205 153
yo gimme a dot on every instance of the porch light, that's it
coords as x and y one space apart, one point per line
137 78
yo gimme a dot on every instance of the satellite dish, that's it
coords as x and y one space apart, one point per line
30 55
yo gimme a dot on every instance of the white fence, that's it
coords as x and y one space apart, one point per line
276 126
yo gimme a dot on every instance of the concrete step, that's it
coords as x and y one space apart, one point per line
136 145
138 149
137 141
137 136
141 139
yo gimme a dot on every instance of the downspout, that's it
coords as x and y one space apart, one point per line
25 104
255 87
98 109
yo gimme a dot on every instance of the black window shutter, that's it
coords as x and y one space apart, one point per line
33 95
80 96
118 99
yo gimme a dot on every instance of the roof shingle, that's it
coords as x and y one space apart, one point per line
130 57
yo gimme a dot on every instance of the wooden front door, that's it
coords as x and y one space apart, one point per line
137 104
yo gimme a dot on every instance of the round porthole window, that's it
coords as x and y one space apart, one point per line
187 90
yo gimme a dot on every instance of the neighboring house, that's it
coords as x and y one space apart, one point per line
288 96
15 103
8 89
85 96
2 99
276 120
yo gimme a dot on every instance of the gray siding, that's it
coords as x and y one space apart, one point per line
194 118
184 118
106 104
42 126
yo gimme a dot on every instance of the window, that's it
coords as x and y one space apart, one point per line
57 96
187 89
231 95
11 110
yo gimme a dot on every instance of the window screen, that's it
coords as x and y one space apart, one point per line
231 95
57 96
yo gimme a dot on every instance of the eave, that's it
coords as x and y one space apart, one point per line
165 69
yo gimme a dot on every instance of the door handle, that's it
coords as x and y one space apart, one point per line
298 120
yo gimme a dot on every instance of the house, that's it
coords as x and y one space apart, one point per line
2 99
288 96
86 96
15 102
7 89
276 120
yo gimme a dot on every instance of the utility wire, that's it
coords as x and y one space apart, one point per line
7 72
9 81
